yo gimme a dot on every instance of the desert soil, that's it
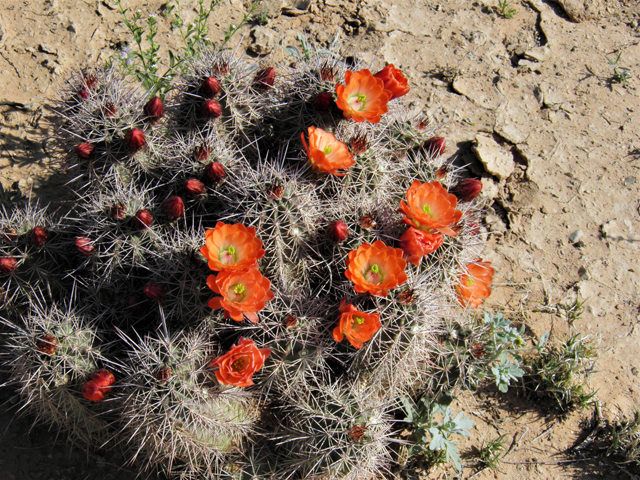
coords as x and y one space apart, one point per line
529 104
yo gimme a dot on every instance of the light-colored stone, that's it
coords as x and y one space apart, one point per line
582 10
490 188
575 237
478 90
538 54
495 159
264 40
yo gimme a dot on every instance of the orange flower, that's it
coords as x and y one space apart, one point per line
237 366
232 247
243 293
326 154
476 284
394 82
357 326
376 268
363 97
430 207
416 244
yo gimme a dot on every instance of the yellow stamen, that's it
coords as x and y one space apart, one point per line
359 320
427 209
327 150
238 289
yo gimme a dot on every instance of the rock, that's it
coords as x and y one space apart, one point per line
45 48
477 91
110 4
620 232
551 97
495 223
538 54
297 7
490 188
264 40
537 5
576 236
582 10
495 160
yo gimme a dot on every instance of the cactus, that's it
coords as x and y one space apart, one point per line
236 142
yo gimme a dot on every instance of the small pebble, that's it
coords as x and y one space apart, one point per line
576 236
630 180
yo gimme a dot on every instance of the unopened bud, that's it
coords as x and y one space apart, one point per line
83 94
8 264
47 344
154 110
84 150
435 146
210 87
323 102
135 140
359 144
327 74
367 221
143 219
154 291
221 69
467 189
357 432
118 211
265 78
441 172
164 375
110 110
103 378
338 231
275 191
407 297
211 109
194 187
201 154
291 321
37 236
173 207
84 246
214 172
90 82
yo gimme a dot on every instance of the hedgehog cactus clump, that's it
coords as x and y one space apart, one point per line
269 251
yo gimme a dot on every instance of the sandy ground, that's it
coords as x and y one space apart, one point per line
529 104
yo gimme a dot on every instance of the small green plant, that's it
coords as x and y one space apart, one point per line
441 447
490 453
620 74
561 372
505 9
262 18
625 440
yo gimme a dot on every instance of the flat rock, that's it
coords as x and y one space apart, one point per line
495 159
490 188
478 90
620 232
582 10
264 40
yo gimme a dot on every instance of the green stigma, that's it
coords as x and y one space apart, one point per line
427 209
327 150
375 269
231 250
238 289
362 98
470 282
359 320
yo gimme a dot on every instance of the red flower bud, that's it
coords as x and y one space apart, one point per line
8 264
90 82
221 69
210 87
93 392
442 171
110 110
357 432
291 321
265 78
211 109
422 125
327 74
118 211
47 344
164 375
103 378
435 146
338 231
467 189
194 187
367 221
473 228
9 235
84 150
83 94
154 291
154 110
135 140
214 172
143 219
359 144
37 236
173 207
85 246
275 191
323 102
201 154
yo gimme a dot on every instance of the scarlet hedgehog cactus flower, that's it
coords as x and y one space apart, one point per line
154 110
214 172
99 385
210 87
84 150
435 146
142 219
38 236
266 78
103 378
243 293
325 153
363 97
237 366
211 109
173 207
430 207
467 189
338 231
135 140
475 285
417 244
376 268
357 326
154 291
84 246
232 247
394 81
8 265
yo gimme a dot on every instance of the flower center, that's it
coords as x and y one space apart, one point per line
374 275
359 320
358 102
327 150
470 281
228 256
237 292
427 209
240 364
